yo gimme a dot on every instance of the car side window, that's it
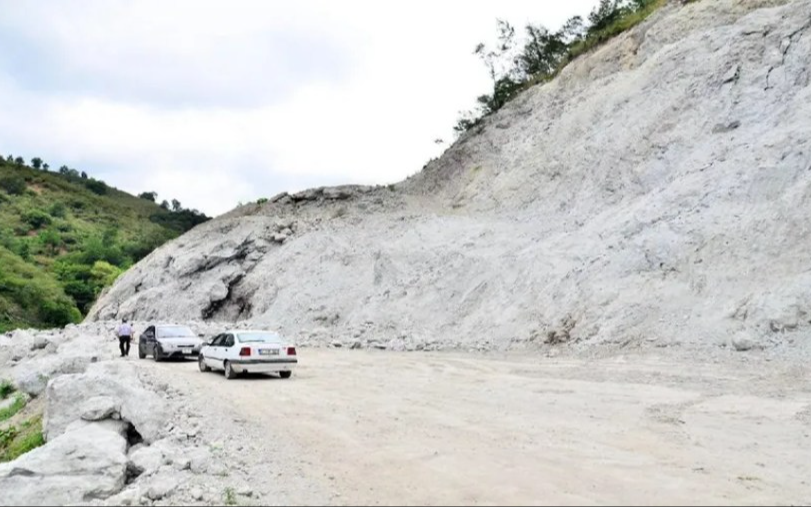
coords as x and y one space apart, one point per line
217 341
229 341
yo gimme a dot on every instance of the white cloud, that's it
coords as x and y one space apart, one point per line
220 102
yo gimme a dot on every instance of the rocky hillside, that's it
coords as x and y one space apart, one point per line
116 433
656 192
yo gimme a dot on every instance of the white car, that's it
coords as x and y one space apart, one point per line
236 352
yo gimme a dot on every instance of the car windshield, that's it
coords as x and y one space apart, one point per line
175 332
259 338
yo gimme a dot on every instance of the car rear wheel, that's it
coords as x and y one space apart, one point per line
229 371
285 374
156 353
141 353
201 363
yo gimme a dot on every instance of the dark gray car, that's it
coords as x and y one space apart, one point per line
168 341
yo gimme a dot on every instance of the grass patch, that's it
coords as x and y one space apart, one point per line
10 411
229 496
6 388
14 442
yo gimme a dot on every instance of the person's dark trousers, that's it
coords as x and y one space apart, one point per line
124 345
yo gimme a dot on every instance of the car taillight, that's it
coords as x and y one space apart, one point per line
246 351
291 351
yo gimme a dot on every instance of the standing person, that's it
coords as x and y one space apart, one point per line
124 332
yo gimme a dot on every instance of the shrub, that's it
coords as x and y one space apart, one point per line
58 210
36 218
229 497
6 388
262 201
13 185
60 312
24 250
7 436
104 274
50 239
82 292
96 186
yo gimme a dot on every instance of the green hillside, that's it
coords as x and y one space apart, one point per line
65 236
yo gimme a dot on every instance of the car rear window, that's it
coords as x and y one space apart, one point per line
259 338
175 332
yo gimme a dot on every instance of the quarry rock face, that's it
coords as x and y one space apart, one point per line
657 191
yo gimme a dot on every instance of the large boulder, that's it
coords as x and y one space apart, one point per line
16 345
40 342
31 381
112 388
147 459
33 376
85 463
101 408
72 353
743 342
162 485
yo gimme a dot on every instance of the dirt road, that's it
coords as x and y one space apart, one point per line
385 428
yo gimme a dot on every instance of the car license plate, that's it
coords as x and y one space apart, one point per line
268 352
187 351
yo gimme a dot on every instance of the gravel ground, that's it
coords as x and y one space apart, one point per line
383 428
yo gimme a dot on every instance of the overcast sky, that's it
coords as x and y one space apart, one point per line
217 102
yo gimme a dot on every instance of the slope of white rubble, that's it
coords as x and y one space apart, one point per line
657 192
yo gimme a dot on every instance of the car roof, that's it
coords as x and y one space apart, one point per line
245 331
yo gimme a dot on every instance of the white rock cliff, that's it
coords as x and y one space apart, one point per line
657 191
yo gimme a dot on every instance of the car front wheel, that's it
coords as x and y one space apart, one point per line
156 353
141 353
285 374
201 363
229 371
